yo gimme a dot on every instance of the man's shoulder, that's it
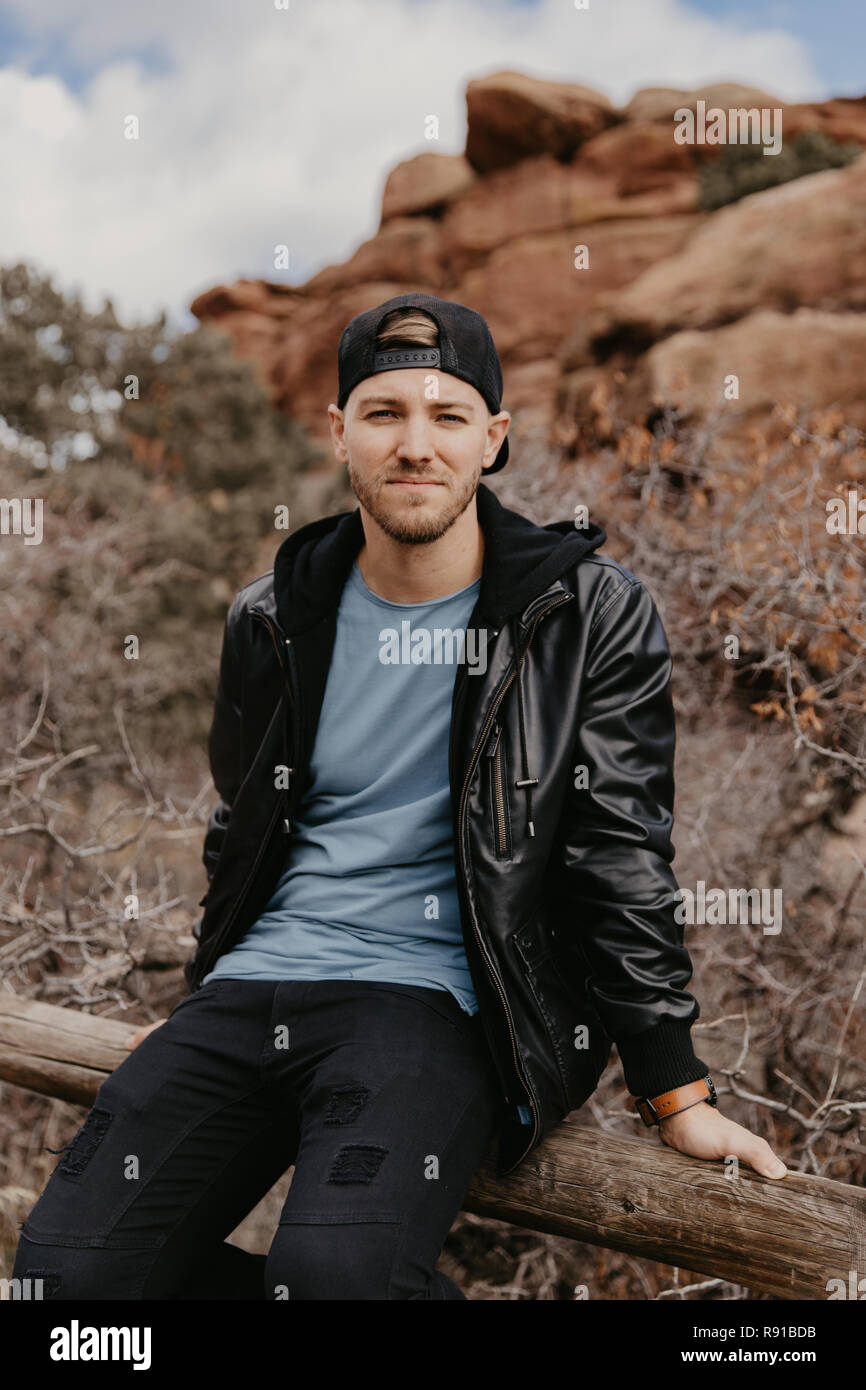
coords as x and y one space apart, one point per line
599 582
258 593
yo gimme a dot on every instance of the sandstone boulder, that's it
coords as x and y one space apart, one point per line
638 157
810 359
531 293
512 116
426 182
802 243
246 296
541 195
660 103
843 119
405 248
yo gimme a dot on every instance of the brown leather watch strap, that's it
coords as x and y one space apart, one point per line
672 1102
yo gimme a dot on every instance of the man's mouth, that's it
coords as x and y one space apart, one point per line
414 482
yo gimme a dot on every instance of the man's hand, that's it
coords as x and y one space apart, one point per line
703 1133
135 1038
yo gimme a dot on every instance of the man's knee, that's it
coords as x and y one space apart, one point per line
315 1259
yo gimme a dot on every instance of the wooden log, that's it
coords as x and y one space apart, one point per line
58 1052
785 1237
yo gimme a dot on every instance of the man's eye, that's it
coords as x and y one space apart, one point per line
444 415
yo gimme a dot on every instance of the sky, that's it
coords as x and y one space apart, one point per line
262 126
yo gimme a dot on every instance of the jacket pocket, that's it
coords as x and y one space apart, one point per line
497 779
566 1011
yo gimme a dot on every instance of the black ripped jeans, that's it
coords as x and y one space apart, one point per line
383 1096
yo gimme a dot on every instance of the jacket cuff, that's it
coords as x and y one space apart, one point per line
660 1058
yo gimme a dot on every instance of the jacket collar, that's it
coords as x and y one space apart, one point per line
521 561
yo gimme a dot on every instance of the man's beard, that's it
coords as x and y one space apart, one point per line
414 527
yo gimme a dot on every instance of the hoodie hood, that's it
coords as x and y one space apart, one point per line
521 560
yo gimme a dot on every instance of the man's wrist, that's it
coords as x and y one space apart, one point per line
665 1121
660 1058
654 1110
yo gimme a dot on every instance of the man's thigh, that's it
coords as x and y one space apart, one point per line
396 1115
182 1140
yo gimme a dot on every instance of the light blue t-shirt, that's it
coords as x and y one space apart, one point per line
369 890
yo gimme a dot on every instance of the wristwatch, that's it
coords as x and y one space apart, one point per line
672 1102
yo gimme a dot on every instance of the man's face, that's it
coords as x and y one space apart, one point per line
415 464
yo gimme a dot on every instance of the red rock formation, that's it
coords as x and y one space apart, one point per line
512 116
550 167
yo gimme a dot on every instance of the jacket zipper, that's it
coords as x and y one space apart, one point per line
266 838
257 613
492 971
500 839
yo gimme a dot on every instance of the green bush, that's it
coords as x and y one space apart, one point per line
156 510
743 169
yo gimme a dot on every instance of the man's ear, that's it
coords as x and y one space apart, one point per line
337 426
497 429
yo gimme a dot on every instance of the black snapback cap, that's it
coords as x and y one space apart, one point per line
466 350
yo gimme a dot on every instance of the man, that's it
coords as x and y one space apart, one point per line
439 876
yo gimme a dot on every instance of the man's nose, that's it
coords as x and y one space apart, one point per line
415 441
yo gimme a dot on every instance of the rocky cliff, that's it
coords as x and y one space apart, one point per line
665 303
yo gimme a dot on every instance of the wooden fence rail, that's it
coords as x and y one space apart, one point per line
786 1238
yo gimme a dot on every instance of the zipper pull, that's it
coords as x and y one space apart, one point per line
493 741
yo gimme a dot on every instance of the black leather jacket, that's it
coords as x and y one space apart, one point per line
566 892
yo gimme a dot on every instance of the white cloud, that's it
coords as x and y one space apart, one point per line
261 126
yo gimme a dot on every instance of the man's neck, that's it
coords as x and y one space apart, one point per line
404 573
